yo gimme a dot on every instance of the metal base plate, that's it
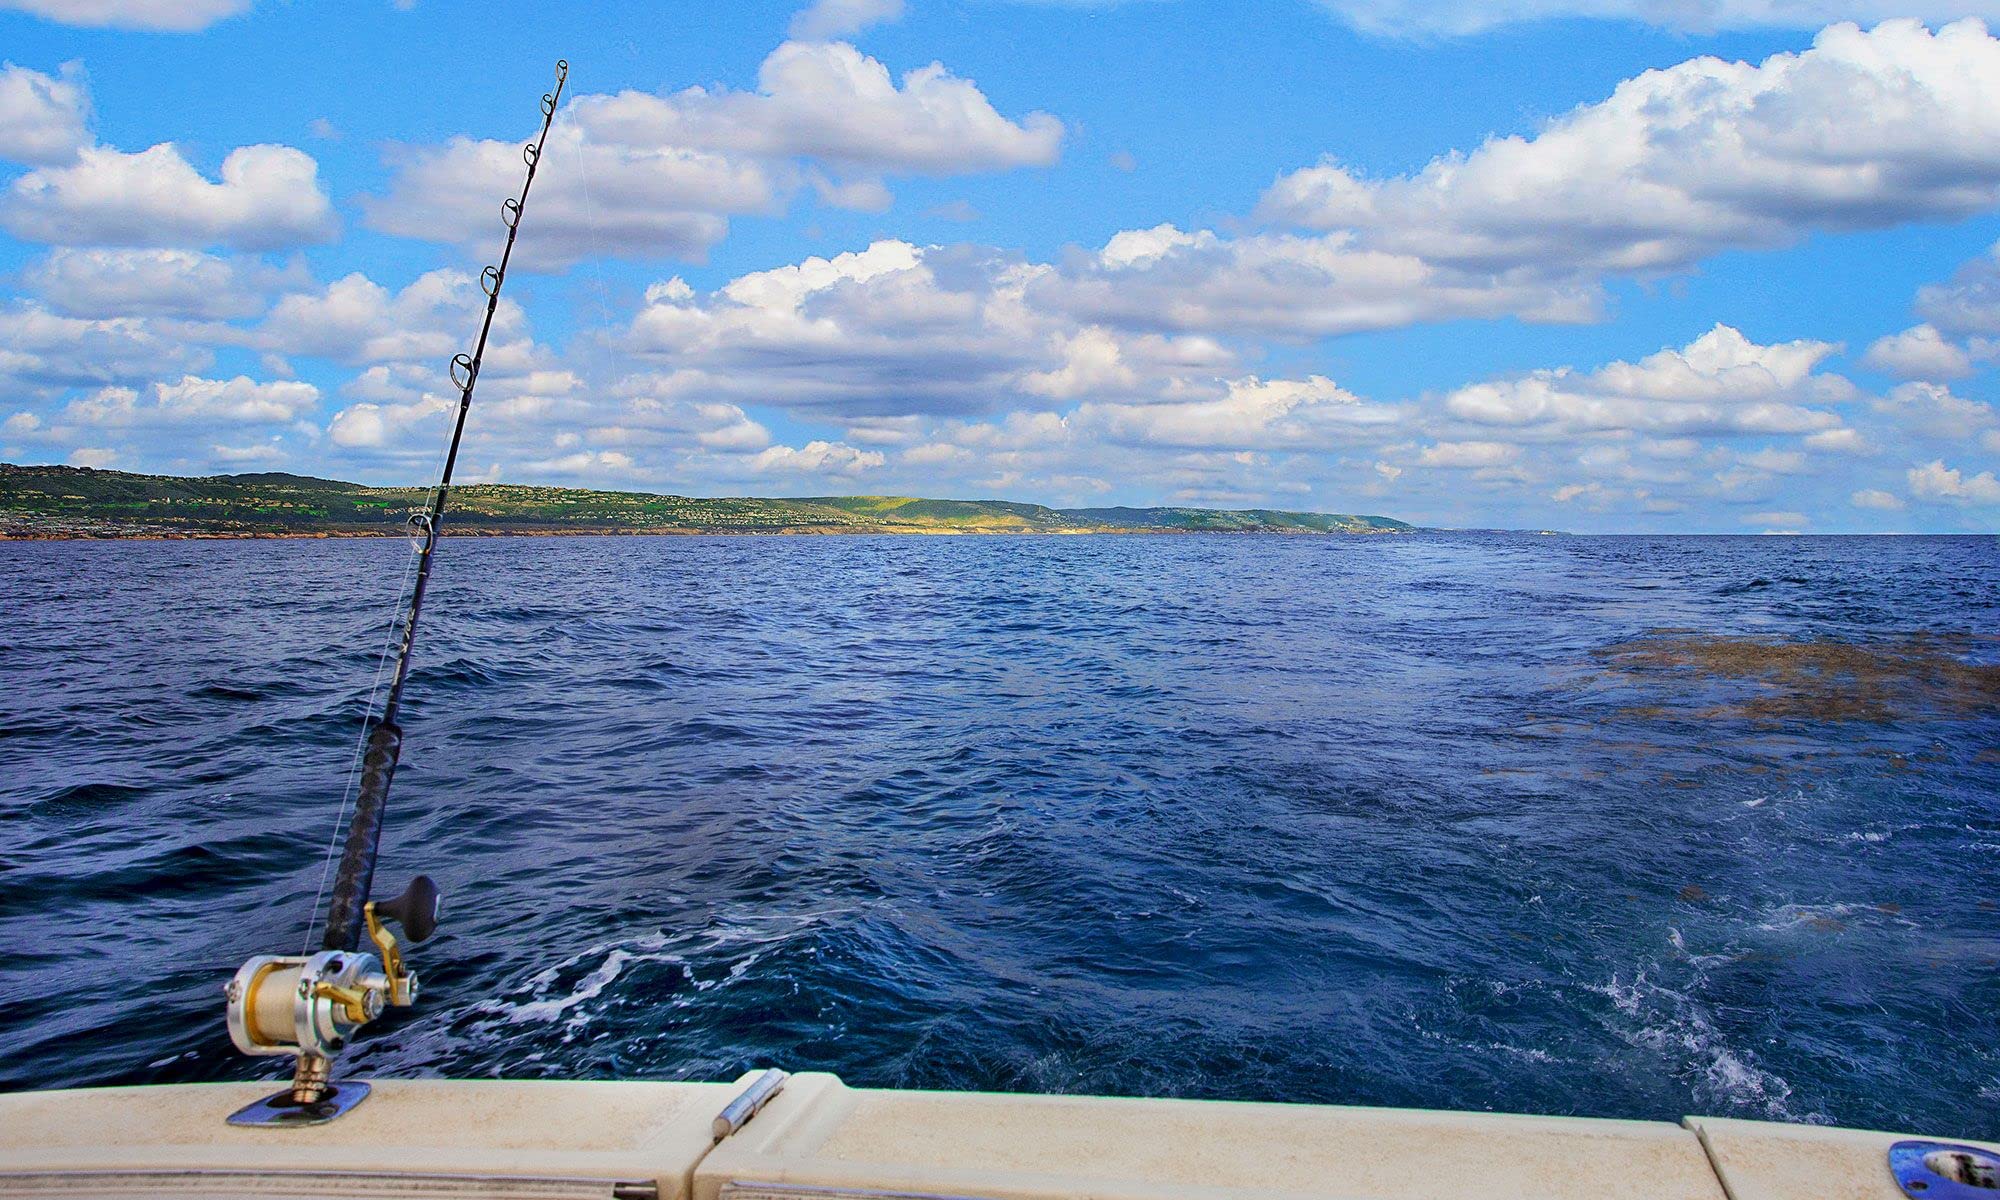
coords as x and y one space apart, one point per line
1943 1171
281 1110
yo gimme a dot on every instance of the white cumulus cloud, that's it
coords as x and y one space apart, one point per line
1969 303
885 331
1467 455
268 198
40 349
98 283
1932 410
1839 441
828 102
825 19
1937 482
594 199
166 16
241 400
356 320
1876 498
638 174
588 464
1290 286
1248 413
817 458
43 118
257 454
1866 129
1720 383
1919 352
373 426
1432 18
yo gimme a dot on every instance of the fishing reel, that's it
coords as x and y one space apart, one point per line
312 1005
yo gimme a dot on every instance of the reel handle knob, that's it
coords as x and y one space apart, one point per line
416 910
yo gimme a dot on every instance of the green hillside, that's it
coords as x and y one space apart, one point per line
58 502
1231 520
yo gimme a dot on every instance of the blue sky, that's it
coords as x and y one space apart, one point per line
1719 266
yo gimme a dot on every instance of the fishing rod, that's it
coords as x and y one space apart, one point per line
311 1005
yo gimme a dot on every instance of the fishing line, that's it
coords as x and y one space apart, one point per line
429 504
360 741
348 902
421 529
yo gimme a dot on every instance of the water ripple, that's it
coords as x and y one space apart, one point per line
1622 826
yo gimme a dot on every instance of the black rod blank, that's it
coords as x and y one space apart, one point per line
345 919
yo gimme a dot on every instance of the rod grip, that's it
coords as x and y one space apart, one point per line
345 919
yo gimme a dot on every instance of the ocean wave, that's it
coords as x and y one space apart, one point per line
1351 821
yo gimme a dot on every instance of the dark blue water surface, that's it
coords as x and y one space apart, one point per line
1364 820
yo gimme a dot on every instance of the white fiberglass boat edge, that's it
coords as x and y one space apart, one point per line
815 1137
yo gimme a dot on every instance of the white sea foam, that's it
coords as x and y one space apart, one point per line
591 987
741 944
1527 1052
1673 1024
1787 918
1669 1019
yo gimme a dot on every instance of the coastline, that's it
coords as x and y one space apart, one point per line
51 503
246 535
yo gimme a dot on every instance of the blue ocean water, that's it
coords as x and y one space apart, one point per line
1400 820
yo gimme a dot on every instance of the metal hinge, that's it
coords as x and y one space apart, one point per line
749 1102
